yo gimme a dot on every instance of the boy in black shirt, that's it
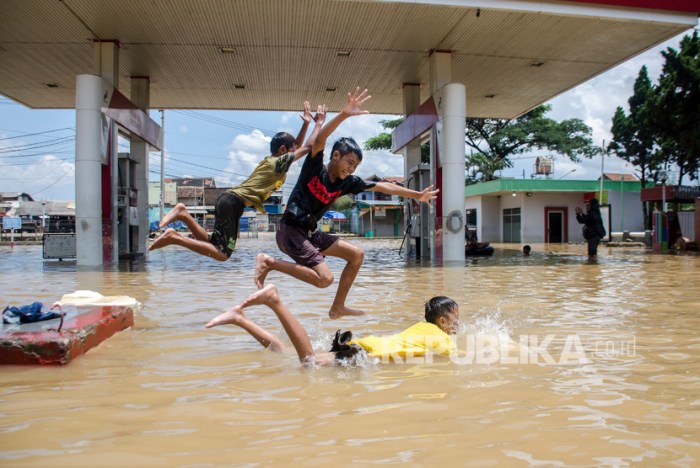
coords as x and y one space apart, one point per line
317 187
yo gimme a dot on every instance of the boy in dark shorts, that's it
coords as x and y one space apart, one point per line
317 187
267 177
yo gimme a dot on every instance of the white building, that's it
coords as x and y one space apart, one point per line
543 210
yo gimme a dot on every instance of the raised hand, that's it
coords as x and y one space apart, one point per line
355 101
306 116
320 116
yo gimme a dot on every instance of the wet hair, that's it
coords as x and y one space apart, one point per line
281 139
527 249
438 306
347 145
341 348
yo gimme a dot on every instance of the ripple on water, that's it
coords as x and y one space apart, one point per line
178 394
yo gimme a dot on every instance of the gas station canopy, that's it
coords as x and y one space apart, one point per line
272 55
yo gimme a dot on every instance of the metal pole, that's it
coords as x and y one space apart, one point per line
622 204
602 171
162 165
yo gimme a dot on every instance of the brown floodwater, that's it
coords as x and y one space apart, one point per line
562 362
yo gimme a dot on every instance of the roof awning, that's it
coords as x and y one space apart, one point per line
387 204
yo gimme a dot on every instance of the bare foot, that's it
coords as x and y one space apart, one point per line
266 295
262 268
167 238
173 215
337 312
233 316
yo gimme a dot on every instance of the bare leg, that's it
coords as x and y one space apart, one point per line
202 247
235 316
300 339
319 276
180 213
354 256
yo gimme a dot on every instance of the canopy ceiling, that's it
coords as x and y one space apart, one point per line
511 55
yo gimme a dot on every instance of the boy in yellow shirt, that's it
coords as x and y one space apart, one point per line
268 176
431 336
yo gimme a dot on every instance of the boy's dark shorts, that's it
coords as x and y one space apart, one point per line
227 216
303 246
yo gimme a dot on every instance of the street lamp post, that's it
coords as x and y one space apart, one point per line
43 217
572 170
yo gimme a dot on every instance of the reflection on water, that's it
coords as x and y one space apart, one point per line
171 393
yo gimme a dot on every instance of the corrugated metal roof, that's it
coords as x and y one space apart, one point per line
547 185
286 51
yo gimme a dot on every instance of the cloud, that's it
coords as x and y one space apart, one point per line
247 150
49 178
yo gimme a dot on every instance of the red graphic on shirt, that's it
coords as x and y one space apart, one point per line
320 191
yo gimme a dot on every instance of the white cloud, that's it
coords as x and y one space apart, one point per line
247 150
184 129
49 178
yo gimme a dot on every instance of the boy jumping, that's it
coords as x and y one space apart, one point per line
317 187
267 177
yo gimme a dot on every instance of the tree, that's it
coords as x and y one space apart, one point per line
495 141
342 204
634 135
677 107
383 140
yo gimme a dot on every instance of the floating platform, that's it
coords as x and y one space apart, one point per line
84 327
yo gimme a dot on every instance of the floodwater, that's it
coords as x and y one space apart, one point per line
609 375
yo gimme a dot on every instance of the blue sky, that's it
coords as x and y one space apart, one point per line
37 146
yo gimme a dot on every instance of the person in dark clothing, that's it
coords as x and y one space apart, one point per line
593 229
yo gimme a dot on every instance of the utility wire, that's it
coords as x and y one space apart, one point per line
37 133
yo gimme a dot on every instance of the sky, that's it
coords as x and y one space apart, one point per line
37 147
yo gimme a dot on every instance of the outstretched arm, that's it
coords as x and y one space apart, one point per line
424 195
306 118
352 107
319 118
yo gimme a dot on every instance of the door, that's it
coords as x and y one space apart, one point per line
511 225
556 226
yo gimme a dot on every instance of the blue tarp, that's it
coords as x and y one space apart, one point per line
334 215
177 225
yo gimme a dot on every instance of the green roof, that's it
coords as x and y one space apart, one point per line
549 185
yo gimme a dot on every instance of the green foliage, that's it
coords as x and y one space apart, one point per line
495 141
661 129
342 204
634 137
677 106
383 140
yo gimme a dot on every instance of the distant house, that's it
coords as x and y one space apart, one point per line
10 201
620 177
543 210
378 213
200 196
49 216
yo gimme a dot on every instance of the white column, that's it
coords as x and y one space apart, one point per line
140 95
453 167
88 170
